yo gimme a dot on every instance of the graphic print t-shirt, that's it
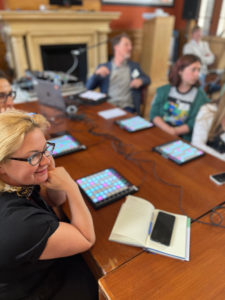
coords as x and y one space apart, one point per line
177 107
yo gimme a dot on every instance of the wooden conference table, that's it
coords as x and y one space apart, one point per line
168 186
157 277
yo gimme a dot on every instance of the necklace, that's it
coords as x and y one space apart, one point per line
21 191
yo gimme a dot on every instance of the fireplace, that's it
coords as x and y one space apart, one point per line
59 58
31 36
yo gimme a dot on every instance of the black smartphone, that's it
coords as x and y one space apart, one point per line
218 178
163 228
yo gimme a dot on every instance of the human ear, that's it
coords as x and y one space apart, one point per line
180 72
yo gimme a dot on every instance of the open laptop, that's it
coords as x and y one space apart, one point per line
48 93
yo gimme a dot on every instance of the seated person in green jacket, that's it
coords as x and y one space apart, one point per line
176 105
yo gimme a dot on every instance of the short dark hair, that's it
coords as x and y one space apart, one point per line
183 62
116 39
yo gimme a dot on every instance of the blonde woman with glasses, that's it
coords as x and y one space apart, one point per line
38 250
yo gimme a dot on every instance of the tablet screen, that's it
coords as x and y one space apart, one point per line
134 124
179 151
65 144
105 187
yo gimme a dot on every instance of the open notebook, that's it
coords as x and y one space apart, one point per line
135 223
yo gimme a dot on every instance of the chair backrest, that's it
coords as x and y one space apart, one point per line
144 94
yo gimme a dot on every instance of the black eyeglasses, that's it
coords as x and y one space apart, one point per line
35 159
4 96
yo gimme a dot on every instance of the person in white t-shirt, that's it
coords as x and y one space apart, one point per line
209 128
200 48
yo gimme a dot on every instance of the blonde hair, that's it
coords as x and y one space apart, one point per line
14 125
219 116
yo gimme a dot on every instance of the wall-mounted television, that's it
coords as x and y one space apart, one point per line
65 2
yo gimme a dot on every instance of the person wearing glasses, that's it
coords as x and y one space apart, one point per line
6 94
37 253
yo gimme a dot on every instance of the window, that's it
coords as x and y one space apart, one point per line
221 24
205 15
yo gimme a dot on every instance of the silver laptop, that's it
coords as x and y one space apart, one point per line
50 94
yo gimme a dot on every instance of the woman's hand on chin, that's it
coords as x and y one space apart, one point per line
58 179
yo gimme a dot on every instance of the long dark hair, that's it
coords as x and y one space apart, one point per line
183 62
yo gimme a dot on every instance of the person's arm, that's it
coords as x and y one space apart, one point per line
159 122
182 129
141 80
203 52
94 80
78 236
177 130
208 57
102 71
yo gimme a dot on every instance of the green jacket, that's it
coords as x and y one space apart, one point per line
161 97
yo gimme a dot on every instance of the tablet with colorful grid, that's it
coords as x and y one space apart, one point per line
105 187
178 151
134 124
66 144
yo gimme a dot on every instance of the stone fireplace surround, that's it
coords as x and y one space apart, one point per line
24 32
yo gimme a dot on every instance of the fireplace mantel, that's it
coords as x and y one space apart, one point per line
24 32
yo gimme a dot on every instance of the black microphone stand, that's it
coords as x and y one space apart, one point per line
77 52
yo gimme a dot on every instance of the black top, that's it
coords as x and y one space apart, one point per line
25 226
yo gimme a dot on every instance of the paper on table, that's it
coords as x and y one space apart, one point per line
132 223
111 113
92 95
